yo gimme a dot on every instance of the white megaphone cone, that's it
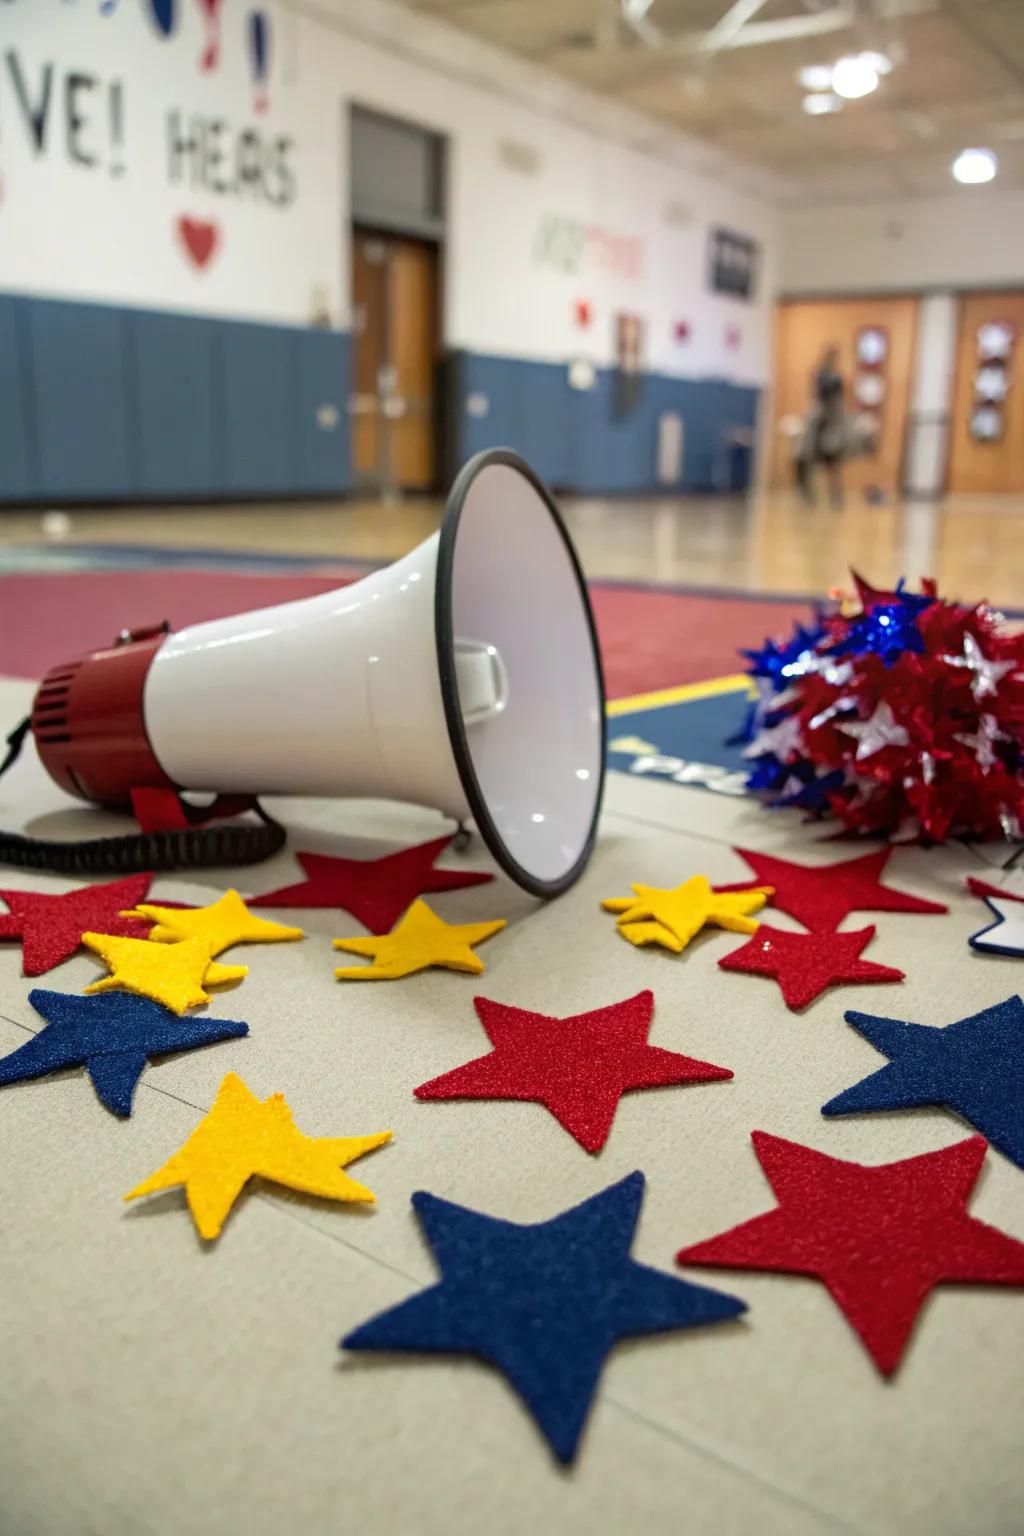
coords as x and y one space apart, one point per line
466 676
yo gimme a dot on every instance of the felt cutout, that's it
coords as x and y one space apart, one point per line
375 891
577 1067
672 918
51 927
1006 935
544 1303
974 1066
879 1237
419 941
111 1036
223 923
821 895
243 1136
171 974
986 888
805 964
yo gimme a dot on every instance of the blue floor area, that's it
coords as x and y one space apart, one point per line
683 742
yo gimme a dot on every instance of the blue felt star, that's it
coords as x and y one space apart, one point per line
544 1303
111 1035
975 1066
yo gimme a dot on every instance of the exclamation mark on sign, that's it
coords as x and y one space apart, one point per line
116 97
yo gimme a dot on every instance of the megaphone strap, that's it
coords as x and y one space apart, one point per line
178 848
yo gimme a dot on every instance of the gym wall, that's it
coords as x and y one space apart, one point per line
175 238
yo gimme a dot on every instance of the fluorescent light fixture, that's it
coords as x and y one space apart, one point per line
820 102
973 166
815 77
853 76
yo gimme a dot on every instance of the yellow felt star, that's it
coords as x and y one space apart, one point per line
243 1137
172 974
225 922
420 939
671 918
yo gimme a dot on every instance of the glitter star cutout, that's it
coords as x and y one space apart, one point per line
111 1036
880 1238
577 1067
421 940
805 964
672 917
225 922
821 895
375 891
974 1066
987 674
544 1303
171 974
876 733
243 1137
50 927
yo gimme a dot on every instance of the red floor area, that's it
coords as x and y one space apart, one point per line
650 639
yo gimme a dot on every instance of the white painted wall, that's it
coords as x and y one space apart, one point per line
108 231
972 238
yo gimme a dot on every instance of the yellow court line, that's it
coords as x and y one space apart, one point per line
734 683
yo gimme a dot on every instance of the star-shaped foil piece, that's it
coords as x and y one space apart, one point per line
112 1036
174 975
986 673
806 964
879 731
671 918
243 1137
419 941
974 1066
879 1237
50 926
821 895
223 923
375 891
577 1067
543 1303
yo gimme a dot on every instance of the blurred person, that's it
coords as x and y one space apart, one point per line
825 438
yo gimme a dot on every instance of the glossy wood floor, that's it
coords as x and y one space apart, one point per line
765 543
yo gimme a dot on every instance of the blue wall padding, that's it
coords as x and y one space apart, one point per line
101 403
78 394
181 432
18 456
577 440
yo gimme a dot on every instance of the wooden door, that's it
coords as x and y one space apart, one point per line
804 328
413 325
395 323
369 330
997 465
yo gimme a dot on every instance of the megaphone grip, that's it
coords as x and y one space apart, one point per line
189 848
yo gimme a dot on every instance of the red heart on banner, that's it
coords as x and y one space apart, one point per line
199 238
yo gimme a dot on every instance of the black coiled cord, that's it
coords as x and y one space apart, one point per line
179 848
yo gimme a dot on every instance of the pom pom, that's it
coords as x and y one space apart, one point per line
900 713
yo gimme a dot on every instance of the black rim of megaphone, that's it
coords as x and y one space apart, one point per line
446 667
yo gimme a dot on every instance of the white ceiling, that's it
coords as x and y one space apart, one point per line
724 71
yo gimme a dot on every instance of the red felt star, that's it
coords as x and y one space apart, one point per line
821 895
804 964
578 1067
880 1238
985 888
50 927
375 891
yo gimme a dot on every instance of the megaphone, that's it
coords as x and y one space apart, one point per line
466 677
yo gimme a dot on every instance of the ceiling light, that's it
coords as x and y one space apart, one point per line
820 102
880 62
815 77
854 76
972 166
